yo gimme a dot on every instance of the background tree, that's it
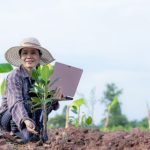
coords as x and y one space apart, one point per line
59 120
113 113
140 124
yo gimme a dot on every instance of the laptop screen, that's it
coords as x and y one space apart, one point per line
67 77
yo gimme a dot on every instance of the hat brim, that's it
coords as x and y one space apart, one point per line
12 55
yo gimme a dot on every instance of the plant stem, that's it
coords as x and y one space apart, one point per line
78 117
67 117
106 121
45 118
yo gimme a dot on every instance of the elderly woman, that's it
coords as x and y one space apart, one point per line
15 112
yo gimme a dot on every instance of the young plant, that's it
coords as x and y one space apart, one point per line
110 108
75 106
41 97
85 121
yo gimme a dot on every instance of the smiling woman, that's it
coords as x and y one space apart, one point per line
30 57
15 111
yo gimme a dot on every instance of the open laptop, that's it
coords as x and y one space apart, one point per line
67 78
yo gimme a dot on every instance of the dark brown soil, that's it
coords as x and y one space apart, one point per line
86 139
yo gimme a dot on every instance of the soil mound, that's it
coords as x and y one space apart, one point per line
85 139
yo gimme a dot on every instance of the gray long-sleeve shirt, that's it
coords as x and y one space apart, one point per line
18 84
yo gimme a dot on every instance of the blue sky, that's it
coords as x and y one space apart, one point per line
109 39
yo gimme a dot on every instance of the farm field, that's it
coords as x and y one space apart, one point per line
86 139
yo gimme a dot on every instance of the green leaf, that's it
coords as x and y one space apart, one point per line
50 93
35 109
48 100
36 89
113 104
37 104
77 102
51 69
40 69
35 99
3 86
35 74
4 68
46 71
89 120
74 109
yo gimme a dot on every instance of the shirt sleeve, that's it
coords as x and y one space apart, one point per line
15 99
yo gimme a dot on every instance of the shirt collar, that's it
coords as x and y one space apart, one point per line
24 72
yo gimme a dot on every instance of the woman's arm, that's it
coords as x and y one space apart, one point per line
15 99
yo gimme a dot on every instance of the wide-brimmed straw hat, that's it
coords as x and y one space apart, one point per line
13 57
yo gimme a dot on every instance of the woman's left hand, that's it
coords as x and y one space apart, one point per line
58 94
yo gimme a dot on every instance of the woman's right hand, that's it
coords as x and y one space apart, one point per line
30 126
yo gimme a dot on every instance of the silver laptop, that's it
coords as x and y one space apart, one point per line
67 78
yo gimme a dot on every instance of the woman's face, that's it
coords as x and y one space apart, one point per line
30 57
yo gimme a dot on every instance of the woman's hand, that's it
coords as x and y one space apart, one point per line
30 126
58 94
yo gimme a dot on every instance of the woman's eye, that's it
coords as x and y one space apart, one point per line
33 53
24 53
